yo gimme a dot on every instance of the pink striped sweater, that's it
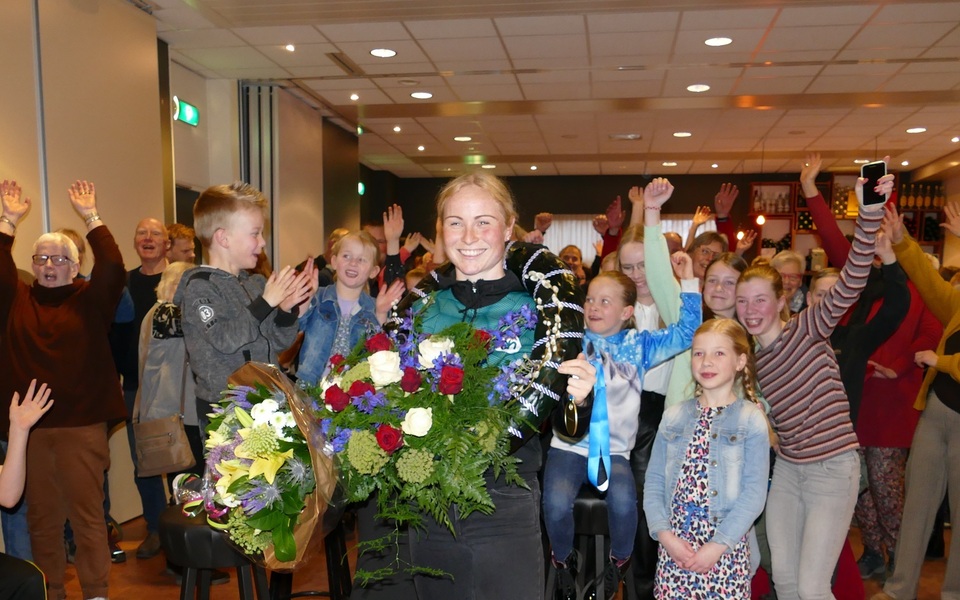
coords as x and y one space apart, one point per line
798 373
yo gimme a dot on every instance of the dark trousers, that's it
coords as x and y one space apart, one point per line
20 580
645 547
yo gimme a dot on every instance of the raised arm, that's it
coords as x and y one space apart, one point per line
663 287
700 217
722 205
23 416
835 244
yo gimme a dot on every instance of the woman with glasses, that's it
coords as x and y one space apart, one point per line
704 248
790 266
56 331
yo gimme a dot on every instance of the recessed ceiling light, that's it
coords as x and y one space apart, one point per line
718 41
714 166
489 166
359 130
682 134
289 47
917 130
955 139
408 82
669 163
397 129
421 148
383 52
463 138
533 167
625 136
905 163
861 161
421 95
698 88
354 97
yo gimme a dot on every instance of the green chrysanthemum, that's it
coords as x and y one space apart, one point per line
245 536
415 465
258 441
365 454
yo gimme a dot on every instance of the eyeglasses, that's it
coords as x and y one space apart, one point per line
708 253
58 260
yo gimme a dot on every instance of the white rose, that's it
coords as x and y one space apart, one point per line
262 412
417 422
385 368
433 347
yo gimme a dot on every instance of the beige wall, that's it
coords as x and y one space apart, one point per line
191 145
299 183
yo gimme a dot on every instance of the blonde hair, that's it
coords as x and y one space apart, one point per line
217 205
367 240
768 273
63 240
746 379
171 279
786 256
491 184
629 292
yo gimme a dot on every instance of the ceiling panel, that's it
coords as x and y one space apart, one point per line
542 25
280 35
819 38
814 16
483 48
364 32
229 58
644 22
554 46
451 28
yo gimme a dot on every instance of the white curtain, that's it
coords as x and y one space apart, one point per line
578 230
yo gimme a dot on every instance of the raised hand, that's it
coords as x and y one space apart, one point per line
723 201
83 197
884 187
543 221
299 291
808 174
701 216
277 286
615 214
682 265
746 242
635 194
534 236
892 224
36 403
14 205
657 193
413 240
951 212
600 224
387 297
598 246
884 249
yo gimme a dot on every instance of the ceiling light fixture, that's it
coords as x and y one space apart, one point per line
698 88
905 163
533 167
625 136
421 148
714 166
383 52
396 128
489 166
861 161
290 48
463 138
682 134
917 130
354 97
718 41
669 163
421 95
761 220
955 139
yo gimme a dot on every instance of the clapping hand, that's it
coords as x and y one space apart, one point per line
387 297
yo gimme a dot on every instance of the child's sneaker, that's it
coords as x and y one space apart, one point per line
566 588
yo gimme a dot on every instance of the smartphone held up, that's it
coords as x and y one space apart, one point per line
872 172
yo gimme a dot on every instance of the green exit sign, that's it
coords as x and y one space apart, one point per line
186 112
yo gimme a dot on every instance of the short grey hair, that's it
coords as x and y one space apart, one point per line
69 249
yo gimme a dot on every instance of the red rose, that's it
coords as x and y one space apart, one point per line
336 398
482 337
389 438
377 343
359 388
451 380
336 361
411 380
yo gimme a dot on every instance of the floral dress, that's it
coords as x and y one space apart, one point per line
690 520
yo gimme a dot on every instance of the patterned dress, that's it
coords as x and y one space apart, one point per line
690 519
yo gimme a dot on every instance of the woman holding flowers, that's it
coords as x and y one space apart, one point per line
495 555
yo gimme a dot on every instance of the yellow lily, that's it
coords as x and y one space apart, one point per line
230 471
269 465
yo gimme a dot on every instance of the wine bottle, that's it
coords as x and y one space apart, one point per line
902 199
926 196
912 198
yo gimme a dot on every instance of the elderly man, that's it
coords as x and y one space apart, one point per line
56 331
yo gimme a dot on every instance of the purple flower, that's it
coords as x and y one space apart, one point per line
369 401
339 441
260 495
449 359
238 395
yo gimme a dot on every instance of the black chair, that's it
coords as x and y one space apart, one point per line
590 525
192 544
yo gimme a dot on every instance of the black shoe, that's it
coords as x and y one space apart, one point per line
871 564
612 577
935 548
566 588
218 577
117 555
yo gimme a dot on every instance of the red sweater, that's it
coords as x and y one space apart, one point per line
59 336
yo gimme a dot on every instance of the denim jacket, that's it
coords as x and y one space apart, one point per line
737 473
319 326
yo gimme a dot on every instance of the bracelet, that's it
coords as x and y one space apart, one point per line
5 219
93 217
656 208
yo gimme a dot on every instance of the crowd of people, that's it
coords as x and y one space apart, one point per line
730 408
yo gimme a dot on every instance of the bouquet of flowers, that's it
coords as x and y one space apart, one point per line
267 485
421 418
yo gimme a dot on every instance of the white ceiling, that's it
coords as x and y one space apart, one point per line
546 83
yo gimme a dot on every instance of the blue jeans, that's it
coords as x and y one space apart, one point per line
565 472
809 509
16 535
153 497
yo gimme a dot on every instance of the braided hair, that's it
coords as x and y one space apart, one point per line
746 379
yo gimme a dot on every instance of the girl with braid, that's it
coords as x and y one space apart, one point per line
707 479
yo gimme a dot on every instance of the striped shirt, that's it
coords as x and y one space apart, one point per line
798 373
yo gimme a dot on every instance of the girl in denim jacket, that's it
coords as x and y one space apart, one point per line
707 478
342 314
622 356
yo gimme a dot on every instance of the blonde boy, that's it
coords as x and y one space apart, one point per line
342 314
229 316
